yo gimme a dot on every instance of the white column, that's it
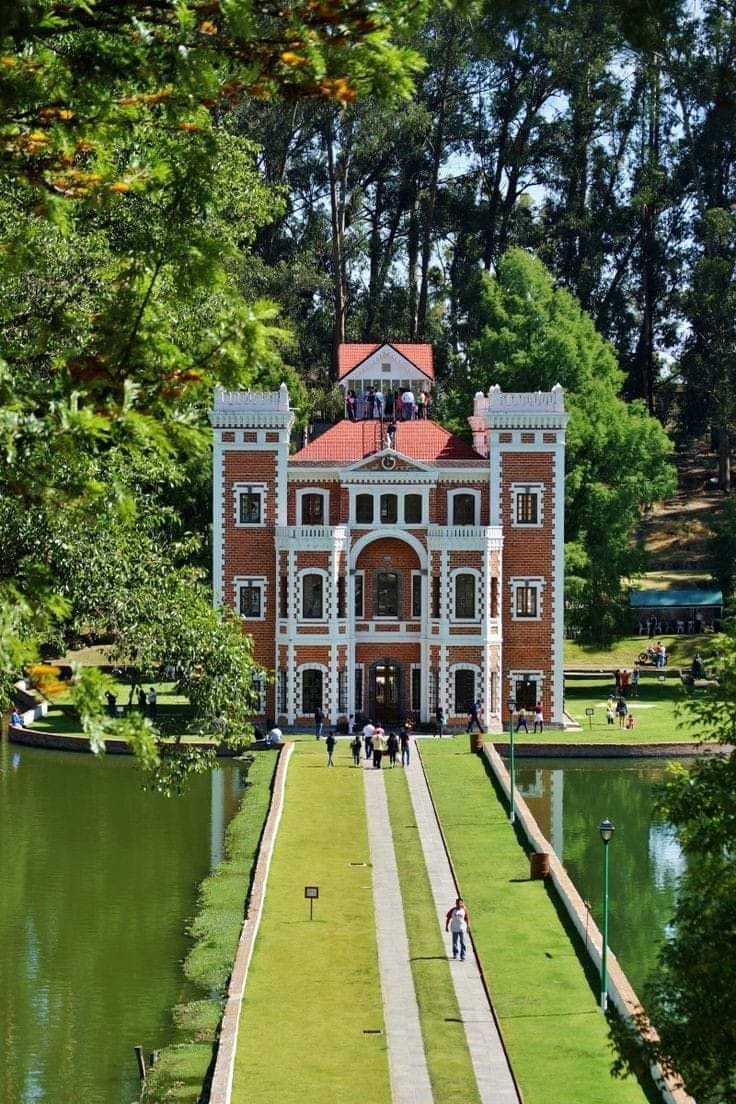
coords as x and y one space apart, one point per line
217 508
558 585
444 691
426 631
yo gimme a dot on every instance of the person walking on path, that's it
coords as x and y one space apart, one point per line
379 746
142 701
521 720
330 745
392 746
319 720
474 716
355 746
152 699
539 716
635 675
404 740
368 734
457 923
440 716
621 711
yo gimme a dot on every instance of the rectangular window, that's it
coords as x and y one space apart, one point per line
413 509
341 596
311 691
463 508
386 594
259 696
313 509
389 509
358 689
434 690
416 594
342 691
312 597
464 690
527 508
250 506
250 598
527 601
465 597
364 509
435 595
282 692
494 596
416 689
358 607
283 596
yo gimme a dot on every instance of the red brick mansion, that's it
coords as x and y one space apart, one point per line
386 574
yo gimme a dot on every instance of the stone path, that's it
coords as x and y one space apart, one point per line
410 1082
492 1073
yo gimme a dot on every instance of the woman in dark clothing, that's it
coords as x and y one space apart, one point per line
393 746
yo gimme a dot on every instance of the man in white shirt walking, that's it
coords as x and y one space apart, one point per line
457 922
368 733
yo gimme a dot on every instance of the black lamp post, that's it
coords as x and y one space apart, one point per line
606 830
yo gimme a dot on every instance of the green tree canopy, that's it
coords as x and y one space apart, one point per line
533 335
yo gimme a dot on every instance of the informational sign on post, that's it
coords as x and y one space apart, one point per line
589 714
312 895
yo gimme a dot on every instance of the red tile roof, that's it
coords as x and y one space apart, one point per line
350 356
347 442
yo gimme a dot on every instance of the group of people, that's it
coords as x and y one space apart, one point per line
373 743
522 716
147 702
678 626
617 709
400 406
627 682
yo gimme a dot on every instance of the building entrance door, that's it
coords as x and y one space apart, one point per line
385 692
526 692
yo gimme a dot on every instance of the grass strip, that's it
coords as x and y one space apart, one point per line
556 1037
448 1058
313 987
183 1068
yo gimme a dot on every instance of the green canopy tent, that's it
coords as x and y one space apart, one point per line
690 609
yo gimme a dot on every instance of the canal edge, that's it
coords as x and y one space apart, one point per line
621 991
222 1078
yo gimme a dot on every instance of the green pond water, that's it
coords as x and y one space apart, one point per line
97 881
569 798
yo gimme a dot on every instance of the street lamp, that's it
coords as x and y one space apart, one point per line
512 811
606 830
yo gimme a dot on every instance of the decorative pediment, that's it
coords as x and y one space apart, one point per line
387 363
389 464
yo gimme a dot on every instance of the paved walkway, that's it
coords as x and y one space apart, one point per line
410 1082
492 1073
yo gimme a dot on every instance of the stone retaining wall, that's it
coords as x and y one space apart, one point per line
613 751
59 741
620 991
222 1078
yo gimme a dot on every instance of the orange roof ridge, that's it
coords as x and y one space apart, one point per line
347 442
418 353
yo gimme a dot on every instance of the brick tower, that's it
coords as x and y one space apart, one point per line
523 435
251 450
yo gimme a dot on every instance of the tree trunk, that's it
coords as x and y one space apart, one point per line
374 263
724 459
337 214
412 258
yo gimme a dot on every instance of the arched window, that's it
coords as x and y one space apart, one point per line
463 509
389 509
413 509
311 691
364 509
464 689
386 602
465 597
312 597
313 509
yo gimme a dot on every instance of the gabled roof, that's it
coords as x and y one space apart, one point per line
346 442
350 356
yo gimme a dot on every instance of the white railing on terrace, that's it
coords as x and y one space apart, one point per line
306 532
460 532
520 402
252 402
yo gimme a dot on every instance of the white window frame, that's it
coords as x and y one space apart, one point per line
388 492
527 488
452 495
324 495
299 686
259 684
325 594
454 668
239 583
375 491
536 581
354 506
422 513
243 488
415 708
475 572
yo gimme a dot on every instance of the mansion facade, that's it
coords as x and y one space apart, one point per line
383 575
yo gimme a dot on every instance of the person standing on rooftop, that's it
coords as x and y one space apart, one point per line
407 401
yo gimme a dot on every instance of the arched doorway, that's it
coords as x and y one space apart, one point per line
385 692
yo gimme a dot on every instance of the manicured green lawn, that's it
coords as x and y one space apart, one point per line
450 1068
623 653
313 989
653 710
556 1037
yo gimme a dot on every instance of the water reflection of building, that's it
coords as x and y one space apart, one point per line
546 789
666 856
